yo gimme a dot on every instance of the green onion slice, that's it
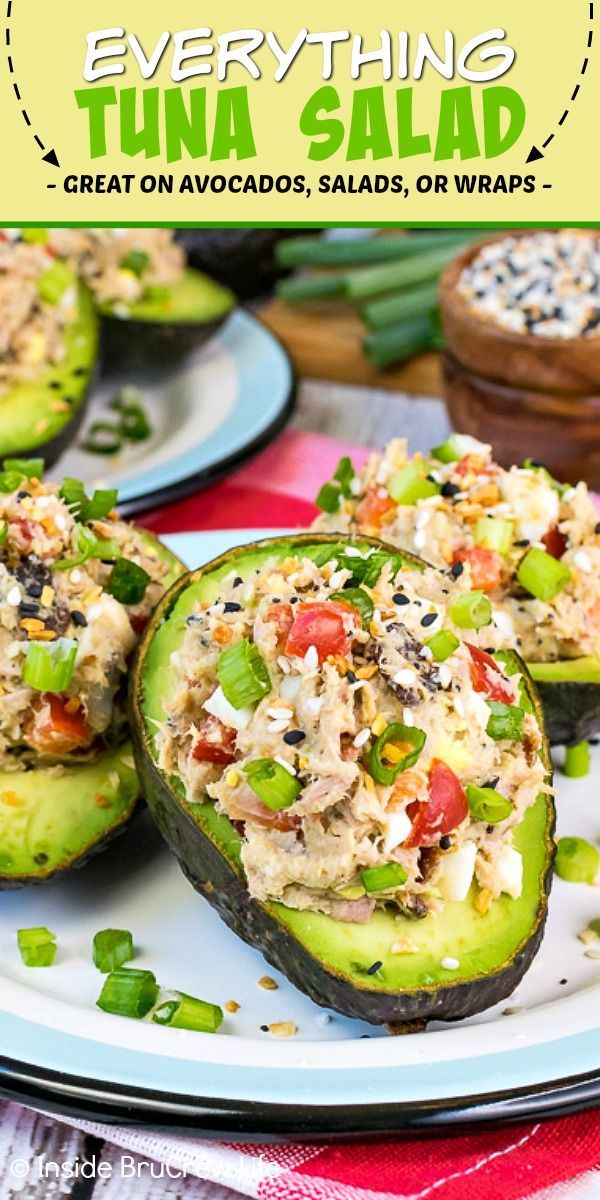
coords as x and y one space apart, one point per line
112 948
37 946
410 484
273 785
49 666
486 804
10 481
128 582
542 575
128 992
189 1013
449 451
243 674
576 860
134 422
103 438
34 236
55 281
505 723
385 771
577 760
136 261
443 644
89 546
494 533
471 610
74 495
330 495
328 498
384 878
27 468
359 599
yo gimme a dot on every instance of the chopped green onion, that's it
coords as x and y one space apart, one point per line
189 1013
577 760
359 599
384 770
3 532
128 992
382 879
443 644
55 281
28 468
103 438
34 237
486 804
134 423
37 946
112 948
74 495
542 575
136 261
243 674
577 861
273 785
10 481
471 610
329 498
505 723
128 582
410 484
344 474
494 533
450 451
49 666
89 546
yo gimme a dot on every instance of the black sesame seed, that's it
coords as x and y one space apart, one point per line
352 582
400 598
78 618
597 528
445 842
563 981
231 606
294 599
450 489
22 495
522 542
293 737
264 1029
375 967
35 590
428 619
535 463
28 608
351 677
491 783
489 829
457 570
238 581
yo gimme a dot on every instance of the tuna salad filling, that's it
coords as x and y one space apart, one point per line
346 719
77 587
38 299
530 543
122 267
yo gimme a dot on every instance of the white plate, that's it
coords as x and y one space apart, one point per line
542 1057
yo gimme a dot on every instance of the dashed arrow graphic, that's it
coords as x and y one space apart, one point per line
535 153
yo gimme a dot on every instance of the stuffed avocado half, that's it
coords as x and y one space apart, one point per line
48 349
356 786
529 542
77 587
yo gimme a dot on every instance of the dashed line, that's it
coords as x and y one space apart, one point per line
534 153
51 156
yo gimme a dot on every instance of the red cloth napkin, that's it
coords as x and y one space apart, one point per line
528 1160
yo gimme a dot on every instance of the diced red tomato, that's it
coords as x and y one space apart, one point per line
474 464
56 730
215 743
375 506
22 533
487 677
283 617
138 622
555 542
486 567
330 626
445 809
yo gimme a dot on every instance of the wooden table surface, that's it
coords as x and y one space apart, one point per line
31 1144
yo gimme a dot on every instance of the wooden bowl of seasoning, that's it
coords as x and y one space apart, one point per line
521 319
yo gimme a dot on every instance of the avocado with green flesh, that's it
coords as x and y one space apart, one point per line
42 415
52 819
570 694
162 329
331 960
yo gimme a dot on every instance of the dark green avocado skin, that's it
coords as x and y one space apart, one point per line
144 346
215 876
571 711
211 875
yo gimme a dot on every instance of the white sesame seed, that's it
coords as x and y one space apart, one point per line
336 580
405 677
75 576
449 963
361 737
420 539
283 664
425 652
311 658
444 675
13 650
583 561
459 706
278 726
279 714
355 687
286 765
354 552
314 705
14 596
593 952
408 718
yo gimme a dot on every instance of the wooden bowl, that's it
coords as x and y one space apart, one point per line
560 429
569 365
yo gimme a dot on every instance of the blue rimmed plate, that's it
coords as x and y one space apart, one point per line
224 403
535 1054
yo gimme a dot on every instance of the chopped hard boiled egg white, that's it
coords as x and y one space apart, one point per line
509 871
398 828
218 706
533 501
457 872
